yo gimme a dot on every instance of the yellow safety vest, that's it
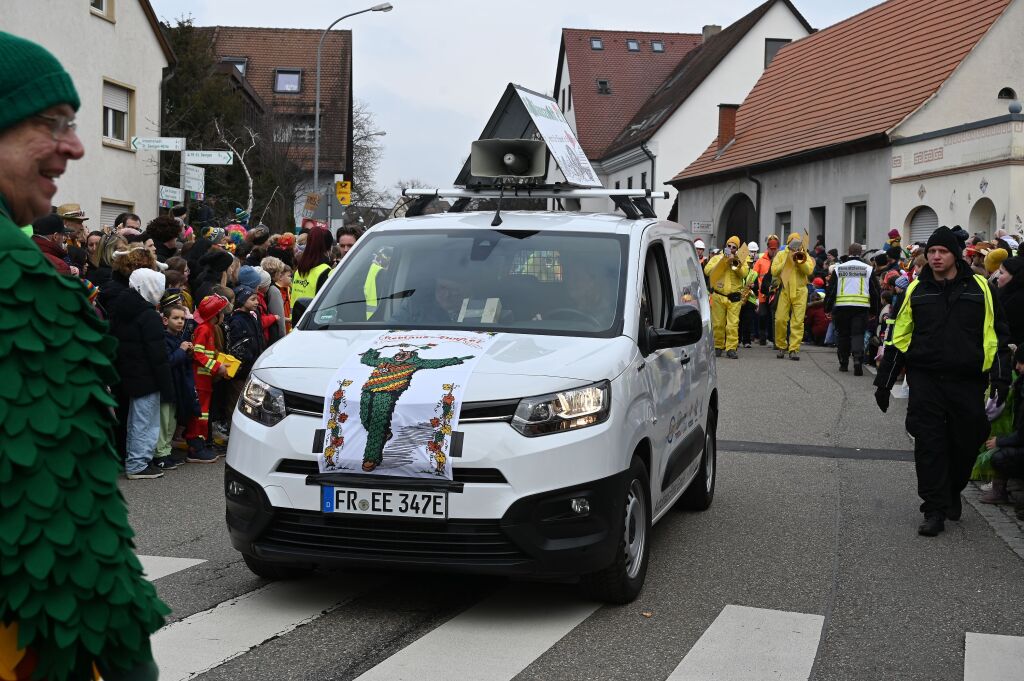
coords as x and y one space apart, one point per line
853 284
305 286
370 289
904 327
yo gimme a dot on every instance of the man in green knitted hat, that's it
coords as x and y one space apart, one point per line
73 599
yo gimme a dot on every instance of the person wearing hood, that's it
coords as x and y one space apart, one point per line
726 282
792 274
1010 292
951 336
852 296
142 364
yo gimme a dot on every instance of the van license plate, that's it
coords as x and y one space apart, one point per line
388 502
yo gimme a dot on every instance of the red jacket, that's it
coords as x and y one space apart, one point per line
54 254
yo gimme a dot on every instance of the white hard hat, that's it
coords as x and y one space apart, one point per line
698 244
753 247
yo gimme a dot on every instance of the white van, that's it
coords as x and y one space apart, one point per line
588 419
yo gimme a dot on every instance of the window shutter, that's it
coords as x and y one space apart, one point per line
115 97
110 211
924 222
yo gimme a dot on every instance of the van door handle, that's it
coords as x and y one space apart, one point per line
684 360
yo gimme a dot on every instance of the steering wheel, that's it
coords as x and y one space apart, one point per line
569 314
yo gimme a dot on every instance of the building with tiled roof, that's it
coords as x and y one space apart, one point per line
280 65
637 101
901 116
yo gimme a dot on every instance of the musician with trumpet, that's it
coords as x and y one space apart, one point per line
791 268
727 273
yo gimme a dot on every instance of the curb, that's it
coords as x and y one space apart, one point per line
1000 518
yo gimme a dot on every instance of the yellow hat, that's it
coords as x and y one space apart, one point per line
995 258
733 241
793 237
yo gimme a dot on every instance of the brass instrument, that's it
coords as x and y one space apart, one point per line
800 257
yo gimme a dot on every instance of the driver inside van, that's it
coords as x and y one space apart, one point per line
443 307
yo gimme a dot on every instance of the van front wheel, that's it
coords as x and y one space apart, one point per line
621 582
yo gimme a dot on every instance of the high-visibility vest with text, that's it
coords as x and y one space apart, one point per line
853 284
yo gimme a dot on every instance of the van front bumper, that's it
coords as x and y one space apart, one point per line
540 534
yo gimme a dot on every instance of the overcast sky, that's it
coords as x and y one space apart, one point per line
432 70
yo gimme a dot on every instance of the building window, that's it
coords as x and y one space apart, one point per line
817 223
856 222
102 8
117 123
1007 93
772 47
633 45
618 185
629 182
596 44
569 103
643 180
563 99
604 87
287 80
657 46
783 222
111 208
238 62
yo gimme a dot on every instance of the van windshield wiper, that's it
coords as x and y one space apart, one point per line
394 296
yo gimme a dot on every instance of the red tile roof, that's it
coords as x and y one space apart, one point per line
633 78
850 82
269 49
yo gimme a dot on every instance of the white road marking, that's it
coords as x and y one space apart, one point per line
988 657
492 641
156 567
752 644
210 638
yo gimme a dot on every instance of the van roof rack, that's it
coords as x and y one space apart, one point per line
634 203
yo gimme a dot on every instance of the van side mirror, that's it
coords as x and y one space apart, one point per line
299 308
685 327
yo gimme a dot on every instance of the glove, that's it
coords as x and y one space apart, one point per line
882 399
1000 391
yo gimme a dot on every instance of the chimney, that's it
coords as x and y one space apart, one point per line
710 30
726 124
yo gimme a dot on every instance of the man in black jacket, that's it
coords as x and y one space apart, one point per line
951 336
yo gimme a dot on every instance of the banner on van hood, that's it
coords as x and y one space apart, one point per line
392 406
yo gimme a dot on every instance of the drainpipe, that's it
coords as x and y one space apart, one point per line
643 146
757 203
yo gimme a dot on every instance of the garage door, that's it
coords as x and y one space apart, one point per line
924 222
110 211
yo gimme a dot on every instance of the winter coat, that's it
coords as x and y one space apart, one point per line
141 354
54 253
186 402
1011 297
245 339
275 305
110 291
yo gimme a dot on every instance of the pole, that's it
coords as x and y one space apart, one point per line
316 123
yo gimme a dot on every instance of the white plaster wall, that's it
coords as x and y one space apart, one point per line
570 114
953 196
830 183
91 49
969 94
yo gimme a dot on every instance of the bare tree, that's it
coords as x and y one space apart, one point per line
366 154
235 144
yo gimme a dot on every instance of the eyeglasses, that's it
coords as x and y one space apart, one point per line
61 126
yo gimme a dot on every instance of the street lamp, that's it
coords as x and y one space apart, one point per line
383 7
378 133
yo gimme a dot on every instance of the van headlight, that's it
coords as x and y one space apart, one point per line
262 402
564 410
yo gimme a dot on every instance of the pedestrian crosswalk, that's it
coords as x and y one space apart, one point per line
504 633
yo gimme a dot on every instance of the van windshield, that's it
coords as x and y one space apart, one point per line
481 280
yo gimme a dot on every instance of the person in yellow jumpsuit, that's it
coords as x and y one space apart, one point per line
727 286
792 297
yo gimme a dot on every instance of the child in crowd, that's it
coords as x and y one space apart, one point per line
178 283
208 316
221 405
183 405
245 338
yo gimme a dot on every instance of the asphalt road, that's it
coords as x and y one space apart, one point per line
808 565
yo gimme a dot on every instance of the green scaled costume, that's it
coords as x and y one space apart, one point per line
69 578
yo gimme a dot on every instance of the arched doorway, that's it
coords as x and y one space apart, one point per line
920 224
983 218
739 218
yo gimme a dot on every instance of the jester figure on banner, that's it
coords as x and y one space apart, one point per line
791 268
726 274
416 440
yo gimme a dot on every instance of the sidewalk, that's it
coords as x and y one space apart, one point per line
1001 518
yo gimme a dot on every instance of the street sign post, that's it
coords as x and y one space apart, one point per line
208 158
158 143
171 194
343 190
194 179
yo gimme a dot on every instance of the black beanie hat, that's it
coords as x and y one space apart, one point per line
1014 265
944 237
880 258
216 260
